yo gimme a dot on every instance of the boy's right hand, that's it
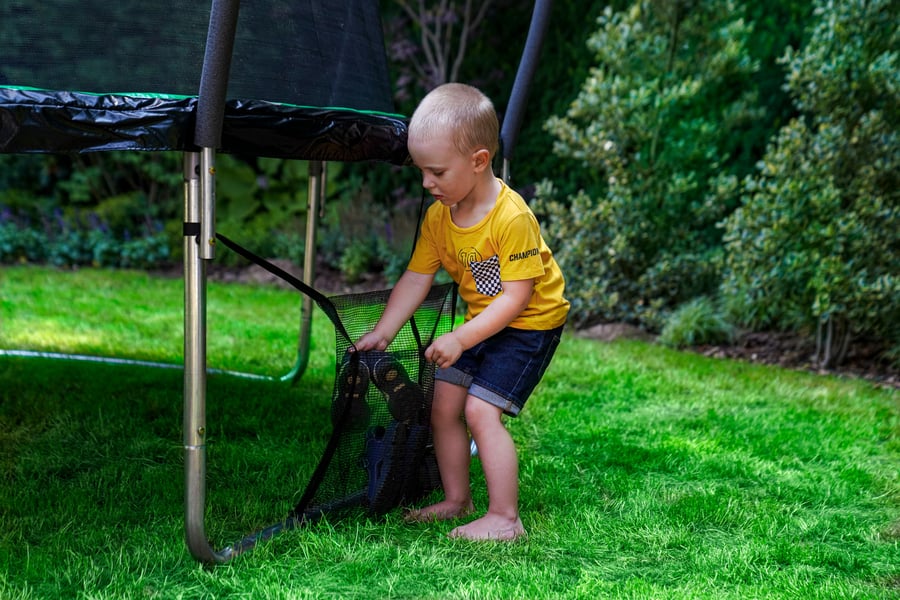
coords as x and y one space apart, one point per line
371 341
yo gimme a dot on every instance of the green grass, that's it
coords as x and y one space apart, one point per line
645 472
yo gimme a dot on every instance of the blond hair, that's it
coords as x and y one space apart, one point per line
461 111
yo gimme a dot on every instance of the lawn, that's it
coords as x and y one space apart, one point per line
645 472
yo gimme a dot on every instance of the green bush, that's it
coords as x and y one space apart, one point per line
145 253
357 259
20 245
656 119
393 262
695 323
290 245
70 247
815 244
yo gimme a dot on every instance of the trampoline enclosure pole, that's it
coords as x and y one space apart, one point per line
194 427
199 245
207 237
518 98
315 199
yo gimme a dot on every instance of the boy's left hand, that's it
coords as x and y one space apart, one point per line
444 351
370 341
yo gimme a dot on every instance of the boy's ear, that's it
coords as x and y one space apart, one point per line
481 159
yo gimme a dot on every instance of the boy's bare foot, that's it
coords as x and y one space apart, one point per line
490 527
441 511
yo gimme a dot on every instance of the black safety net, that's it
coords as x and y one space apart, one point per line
308 78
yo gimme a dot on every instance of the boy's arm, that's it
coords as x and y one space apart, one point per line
408 294
447 349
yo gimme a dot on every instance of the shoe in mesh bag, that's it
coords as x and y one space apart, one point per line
392 455
405 398
350 400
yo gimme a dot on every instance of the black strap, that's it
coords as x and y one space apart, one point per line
418 223
321 299
412 320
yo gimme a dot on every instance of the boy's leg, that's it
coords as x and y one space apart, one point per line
451 446
501 472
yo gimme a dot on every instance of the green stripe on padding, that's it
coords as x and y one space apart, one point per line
182 97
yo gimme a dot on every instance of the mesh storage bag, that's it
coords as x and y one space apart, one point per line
380 454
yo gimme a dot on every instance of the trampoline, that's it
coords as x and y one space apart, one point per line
303 80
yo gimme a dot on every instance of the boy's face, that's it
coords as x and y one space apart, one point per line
447 175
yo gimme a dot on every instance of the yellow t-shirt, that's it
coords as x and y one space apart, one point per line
505 246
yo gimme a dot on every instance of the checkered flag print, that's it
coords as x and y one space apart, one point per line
487 276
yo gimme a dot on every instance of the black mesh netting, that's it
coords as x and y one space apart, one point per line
380 454
306 79
301 52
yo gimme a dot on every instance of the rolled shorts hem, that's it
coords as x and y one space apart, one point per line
457 377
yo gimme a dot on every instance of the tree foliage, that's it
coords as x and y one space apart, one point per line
815 243
655 119
444 29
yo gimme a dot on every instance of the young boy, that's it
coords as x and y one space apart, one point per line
488 240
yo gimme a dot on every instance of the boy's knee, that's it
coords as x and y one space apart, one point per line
444 415
480 413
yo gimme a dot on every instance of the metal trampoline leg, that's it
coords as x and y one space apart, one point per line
194 429
314 203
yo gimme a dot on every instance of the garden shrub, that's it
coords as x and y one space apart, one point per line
694 323
814 246
357 259
70 247
655 118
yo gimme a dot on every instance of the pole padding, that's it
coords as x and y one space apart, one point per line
515 110
216 68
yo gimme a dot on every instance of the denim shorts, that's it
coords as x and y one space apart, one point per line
504 369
